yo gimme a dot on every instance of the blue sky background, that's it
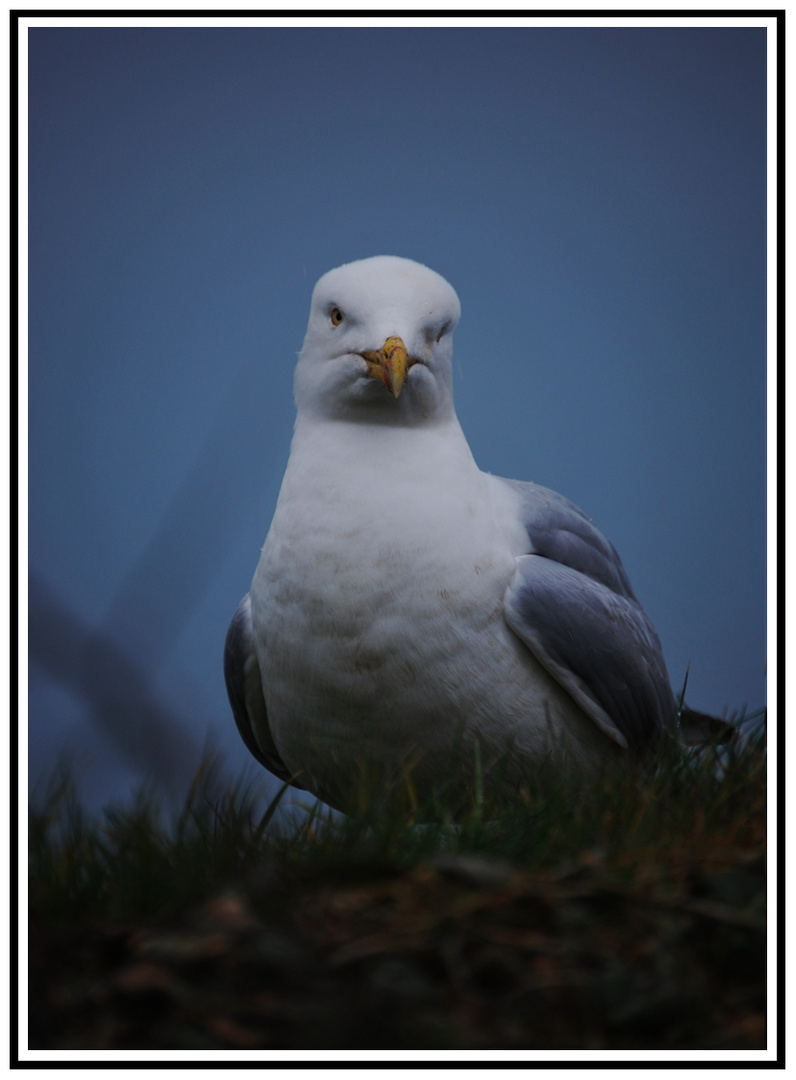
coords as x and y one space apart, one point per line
597 199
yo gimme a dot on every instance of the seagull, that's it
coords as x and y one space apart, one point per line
412 617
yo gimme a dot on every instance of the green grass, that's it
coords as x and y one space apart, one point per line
623 914
135 864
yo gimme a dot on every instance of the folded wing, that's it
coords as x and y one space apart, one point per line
571 603
245 691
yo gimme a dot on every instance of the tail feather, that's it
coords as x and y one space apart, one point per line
698 728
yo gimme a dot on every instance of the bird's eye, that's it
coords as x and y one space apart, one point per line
442 331
336 316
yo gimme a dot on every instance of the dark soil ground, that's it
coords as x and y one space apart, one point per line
458 952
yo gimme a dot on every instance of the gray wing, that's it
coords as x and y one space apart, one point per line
571 603
245 692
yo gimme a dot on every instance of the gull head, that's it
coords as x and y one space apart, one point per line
379 343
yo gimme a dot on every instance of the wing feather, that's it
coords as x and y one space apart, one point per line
571 603
245 691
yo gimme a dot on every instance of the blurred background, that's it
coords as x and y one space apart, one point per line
597 197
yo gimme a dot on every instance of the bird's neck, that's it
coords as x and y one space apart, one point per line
373 462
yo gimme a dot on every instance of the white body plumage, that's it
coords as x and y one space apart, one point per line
410 613
378 614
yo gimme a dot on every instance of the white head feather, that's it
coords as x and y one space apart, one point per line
378 299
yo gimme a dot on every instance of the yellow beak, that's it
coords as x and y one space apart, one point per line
390 364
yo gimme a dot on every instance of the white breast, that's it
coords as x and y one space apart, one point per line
378 610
